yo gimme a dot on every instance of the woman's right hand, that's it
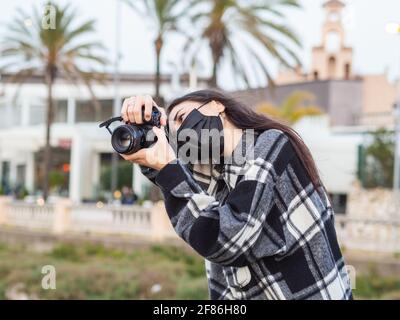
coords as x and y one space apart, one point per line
132 109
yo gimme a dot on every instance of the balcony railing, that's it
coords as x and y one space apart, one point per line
111 219
63 217
369 234
21 214
379 235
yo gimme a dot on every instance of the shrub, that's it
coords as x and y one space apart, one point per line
66 252
192 289
93 271
99 250
372 286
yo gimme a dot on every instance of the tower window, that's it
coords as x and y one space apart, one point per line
347 71
332 67
333 42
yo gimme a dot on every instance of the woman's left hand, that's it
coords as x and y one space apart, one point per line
157 156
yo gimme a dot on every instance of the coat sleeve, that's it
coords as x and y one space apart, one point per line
229 233
149 173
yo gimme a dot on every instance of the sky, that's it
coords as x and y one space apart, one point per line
375 51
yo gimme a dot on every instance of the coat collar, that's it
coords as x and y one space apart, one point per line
207 176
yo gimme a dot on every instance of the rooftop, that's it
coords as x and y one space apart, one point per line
334 3
107 77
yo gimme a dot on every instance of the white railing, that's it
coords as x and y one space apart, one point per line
153 223
368 234
22 214
111 219
63 217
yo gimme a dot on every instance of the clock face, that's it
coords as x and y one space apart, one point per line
334 16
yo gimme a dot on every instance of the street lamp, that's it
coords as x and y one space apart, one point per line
117 97
394 28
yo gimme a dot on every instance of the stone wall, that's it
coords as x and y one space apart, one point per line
65 218
372 222
376 203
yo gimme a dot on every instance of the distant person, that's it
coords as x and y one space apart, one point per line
134 197
128 196
262 221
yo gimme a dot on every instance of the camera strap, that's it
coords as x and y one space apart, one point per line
108 122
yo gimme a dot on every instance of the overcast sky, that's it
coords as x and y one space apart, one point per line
374 50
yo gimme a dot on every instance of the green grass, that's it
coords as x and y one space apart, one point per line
91 271
371 286
96 272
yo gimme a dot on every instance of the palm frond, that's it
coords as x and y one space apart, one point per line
261 20
51 46
237 65
20 78
84 28
297 105
86 78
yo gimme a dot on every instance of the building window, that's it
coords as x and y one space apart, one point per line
6 110
332 67
21 173
58 170
316 75
347 71
37 113
333 42
124 176
339 202
5 176
86 111
60 111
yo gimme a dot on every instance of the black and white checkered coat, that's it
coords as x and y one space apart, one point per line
263 229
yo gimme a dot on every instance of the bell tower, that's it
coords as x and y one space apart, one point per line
332 59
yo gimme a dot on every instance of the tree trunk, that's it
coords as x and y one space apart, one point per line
216 57
158 45
213 80
49 120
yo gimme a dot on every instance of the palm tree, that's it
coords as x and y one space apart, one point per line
235 28
165 14
297 105
30 47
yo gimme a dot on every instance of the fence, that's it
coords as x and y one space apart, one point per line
36 217
64 217
376 235
354 233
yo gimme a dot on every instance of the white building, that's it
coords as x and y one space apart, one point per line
80 146
336 151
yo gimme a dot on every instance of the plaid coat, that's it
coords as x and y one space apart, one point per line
264 230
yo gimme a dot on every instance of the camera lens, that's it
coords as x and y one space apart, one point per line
127 139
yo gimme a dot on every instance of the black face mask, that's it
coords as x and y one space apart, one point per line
201 126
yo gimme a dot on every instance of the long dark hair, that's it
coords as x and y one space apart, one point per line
245 118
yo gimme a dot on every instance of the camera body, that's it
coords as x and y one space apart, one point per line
130 138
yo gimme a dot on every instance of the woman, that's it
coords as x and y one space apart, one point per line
263 221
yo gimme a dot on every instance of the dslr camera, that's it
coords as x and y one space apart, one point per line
130 138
